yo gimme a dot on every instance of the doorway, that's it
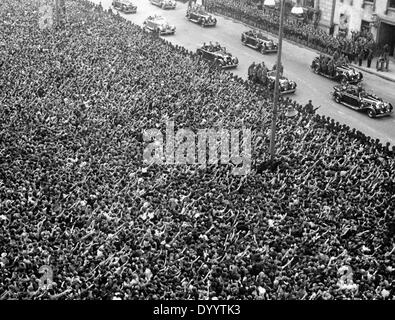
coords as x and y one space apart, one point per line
386 35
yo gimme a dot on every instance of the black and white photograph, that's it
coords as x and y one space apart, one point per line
207 151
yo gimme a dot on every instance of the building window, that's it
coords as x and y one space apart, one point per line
369 2
391 3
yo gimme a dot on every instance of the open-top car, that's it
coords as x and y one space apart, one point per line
159 25
218 56
342 73
258 41
285 85
164 4
198 15
124 6
355 97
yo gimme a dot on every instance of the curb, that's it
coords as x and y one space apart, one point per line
306 47
374 73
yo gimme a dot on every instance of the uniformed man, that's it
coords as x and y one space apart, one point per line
331 68
309 108
251 71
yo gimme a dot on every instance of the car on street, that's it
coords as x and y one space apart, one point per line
159 25
343 73
284 84
164 4
218 55
356 98
198 15
124 6
268 79
258 41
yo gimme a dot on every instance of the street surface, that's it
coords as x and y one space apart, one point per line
296 61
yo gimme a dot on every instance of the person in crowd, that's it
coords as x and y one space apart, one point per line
309 108
369 57
251 71
360 57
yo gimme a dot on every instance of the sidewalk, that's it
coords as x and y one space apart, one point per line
387 75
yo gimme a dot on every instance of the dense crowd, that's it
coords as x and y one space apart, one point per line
359 46
75 194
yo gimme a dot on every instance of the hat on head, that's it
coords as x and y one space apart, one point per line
291 112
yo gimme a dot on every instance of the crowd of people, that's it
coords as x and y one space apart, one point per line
359 47
76 196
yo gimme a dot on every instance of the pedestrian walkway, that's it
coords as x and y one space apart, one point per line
388 75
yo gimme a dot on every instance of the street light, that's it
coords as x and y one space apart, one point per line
276 93
269 3
297 9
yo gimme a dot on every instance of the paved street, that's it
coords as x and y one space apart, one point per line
296 62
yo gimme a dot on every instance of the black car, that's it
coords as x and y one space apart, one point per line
342 73
218 56
124 6
198 15
258 41
355 97
285 85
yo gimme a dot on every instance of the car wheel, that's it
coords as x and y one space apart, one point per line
371 113
337 99
316 69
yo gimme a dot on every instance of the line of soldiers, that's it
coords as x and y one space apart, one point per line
329 64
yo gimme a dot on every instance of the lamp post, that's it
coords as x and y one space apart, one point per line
297 9
276 84
269 3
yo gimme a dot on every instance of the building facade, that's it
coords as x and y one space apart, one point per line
376 16
345 16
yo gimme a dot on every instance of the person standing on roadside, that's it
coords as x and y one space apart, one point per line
386 54
369 57
360 57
